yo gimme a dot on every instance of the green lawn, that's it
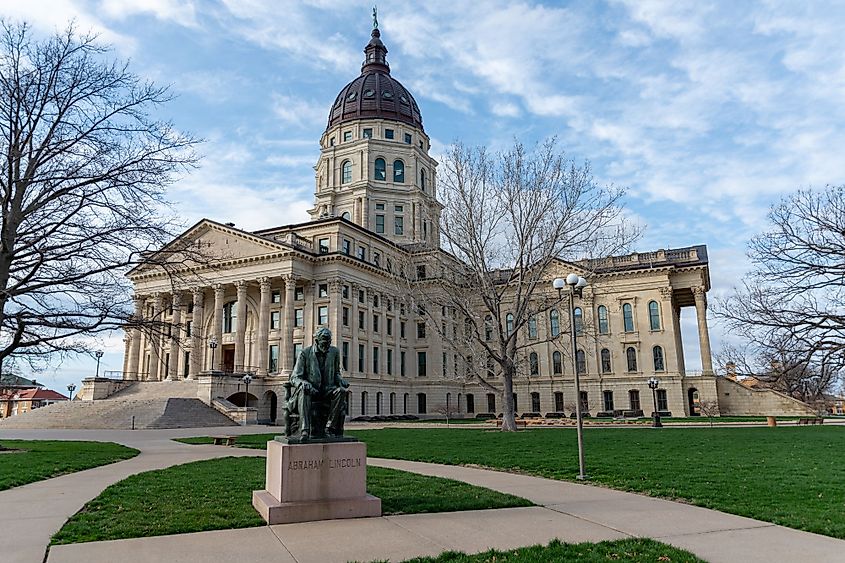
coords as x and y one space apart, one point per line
217 494
626 551
43 459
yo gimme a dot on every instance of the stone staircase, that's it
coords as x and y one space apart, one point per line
153 404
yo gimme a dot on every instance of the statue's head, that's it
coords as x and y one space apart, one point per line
323 339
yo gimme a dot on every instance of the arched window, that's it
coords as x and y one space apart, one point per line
398 171
605 360
534 362
380 172
604 326
346 172
654 315
581 361
422 178
657 353
230 317
628 317
346 216
631 355
532 327
488 328
557 363
509 323
554 321
579 321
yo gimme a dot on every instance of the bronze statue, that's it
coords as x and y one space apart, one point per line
319 395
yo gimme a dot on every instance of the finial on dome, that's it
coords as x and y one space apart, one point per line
375 50
375 17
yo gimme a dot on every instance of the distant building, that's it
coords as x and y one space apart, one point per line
18 401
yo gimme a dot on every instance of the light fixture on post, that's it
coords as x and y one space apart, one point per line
212 343
653 384
576 287
99 354
70 389
246 379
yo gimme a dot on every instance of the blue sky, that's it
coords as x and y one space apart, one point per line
708 112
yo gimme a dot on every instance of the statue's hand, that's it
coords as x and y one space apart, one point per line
307 388
344 384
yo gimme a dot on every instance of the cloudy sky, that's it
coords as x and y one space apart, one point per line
708 112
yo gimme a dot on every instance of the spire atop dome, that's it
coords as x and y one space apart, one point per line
376 52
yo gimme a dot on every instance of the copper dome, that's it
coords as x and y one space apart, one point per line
375 94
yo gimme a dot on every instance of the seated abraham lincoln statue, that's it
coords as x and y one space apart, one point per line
318 394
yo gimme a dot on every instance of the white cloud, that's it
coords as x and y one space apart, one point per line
298 111
181 12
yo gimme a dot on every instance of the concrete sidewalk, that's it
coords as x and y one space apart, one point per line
571 512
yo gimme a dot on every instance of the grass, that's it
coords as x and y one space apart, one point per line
217 494
629 550
789 475
42 459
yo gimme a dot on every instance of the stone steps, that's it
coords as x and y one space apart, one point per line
185 389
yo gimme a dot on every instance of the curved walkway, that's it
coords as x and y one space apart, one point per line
29 515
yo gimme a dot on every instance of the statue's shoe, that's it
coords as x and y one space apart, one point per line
304 436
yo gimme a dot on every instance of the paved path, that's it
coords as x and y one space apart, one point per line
568 511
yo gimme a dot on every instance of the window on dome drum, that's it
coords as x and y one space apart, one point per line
347 136
324 245
380 168
628 317
408 138
230 317
581 361
631 356
608 400
422 178
323 290
380 224
534 363
367 133
662 400
604 326
323 315
331 141
346 216
605 360
579 320
657 353
388 133
557 363
634 399
398 171
346 172
532 327
554 322
509 323
298 318
654 315
398 225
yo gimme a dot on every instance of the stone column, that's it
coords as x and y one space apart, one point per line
335 311
175 337
309 315
240 331
669 318
287 329
217 327
353 353
703 334
262 352
155 338
198 344
133 368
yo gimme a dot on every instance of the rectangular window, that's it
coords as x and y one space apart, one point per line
346 316
402 329
323 245
558 401
376 259
380 224
188 328
361 358
347 136
375 359
470 404
634 399
421 359
375 322
345 292
662 400
298 318
398 208
608 401
362 323
346 246
379 207
360 296
389 361
398 226
444 366
491 402
323 290
389 327
275 320
408 138
273 358
402 363
276 296
421 407
299 294
331 141
323 315
367 133
421 272
388 133
345 355
186 363
297 350
362 253
421 330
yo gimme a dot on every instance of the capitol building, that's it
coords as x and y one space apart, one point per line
375 205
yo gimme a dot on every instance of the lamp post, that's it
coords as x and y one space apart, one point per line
212 343
70 389
246 379
576 287
99 354
653 383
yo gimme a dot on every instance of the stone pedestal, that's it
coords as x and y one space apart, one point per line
322 481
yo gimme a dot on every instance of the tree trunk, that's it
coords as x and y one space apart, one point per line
508 418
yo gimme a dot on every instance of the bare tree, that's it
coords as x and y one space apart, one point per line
85 166
792 304
507 220
710 409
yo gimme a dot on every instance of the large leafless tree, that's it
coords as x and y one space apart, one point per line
791 307
85 163
507 219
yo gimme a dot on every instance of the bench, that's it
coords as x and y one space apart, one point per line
224 440
806 421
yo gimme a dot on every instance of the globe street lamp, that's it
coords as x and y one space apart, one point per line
212 343
70 389
99 354
653 384
576 286
246 379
